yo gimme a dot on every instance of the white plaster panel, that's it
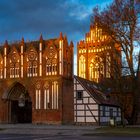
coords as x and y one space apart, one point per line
97 118
95 113
85 94
90 119
79 101
74 94
79 87
91 100
88 113
92 107
80 107
80 119
80 113
85 100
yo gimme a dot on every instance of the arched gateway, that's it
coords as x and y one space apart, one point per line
19 104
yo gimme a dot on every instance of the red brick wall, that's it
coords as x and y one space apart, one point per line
68 101
63 115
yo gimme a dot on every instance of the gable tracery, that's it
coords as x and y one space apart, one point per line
51 60
96 68
32 65
14 61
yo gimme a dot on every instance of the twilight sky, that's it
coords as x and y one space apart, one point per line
30 18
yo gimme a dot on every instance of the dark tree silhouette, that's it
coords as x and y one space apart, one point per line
121 22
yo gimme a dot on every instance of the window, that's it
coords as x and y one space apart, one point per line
1 67
38 99
96 68
82 66
111 112
79 95
14 70
51 66
118 112
103 111
32 69
55 96
46 99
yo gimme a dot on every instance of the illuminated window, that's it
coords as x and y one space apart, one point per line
32 69
46 96
1 68
14 70
82 67
38 98
96 69
32 65
108 65
51 67
1 73
55 93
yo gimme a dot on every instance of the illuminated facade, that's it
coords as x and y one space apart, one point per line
36 81
95 56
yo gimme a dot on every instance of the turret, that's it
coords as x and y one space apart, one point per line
61 53
21 55
5 57
40 54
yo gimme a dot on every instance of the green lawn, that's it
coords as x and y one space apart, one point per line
116 131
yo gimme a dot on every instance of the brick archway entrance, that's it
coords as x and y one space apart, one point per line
19 105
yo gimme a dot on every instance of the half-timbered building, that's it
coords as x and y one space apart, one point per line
91 105
36 81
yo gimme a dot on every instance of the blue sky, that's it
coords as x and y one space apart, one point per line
30 18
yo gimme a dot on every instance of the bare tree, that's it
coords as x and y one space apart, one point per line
121 22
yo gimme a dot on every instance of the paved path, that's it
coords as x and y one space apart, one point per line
45 129
52 132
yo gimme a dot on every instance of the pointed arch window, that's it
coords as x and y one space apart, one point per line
1 69
32 65
55 93
46 96
108 65
38 96
14 64
82 67
96 69
51 66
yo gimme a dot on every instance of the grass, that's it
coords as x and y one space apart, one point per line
116 131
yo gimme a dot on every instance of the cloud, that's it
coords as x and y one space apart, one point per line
28 19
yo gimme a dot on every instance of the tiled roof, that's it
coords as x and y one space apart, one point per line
95 91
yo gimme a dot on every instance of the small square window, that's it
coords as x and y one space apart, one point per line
79 95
